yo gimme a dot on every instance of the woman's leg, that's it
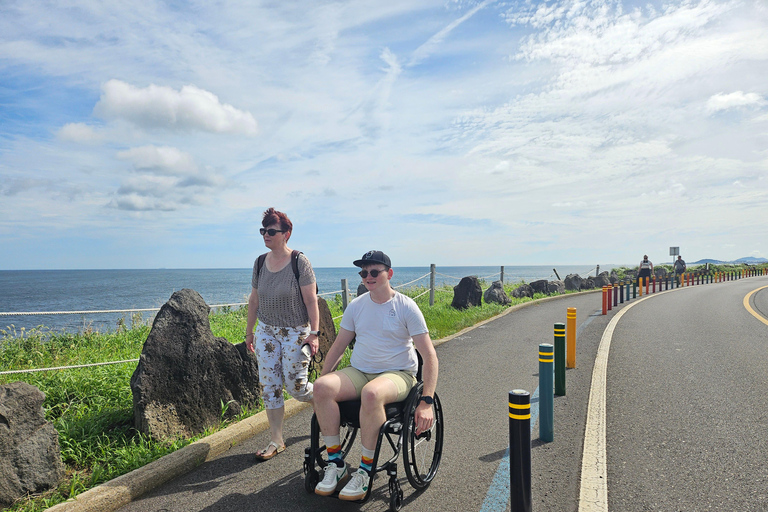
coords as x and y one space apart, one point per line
269 355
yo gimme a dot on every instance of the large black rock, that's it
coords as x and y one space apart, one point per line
573 282
524 290
185 373
540 286
30 457
496 294
467 293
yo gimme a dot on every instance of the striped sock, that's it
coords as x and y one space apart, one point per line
333 447
366 462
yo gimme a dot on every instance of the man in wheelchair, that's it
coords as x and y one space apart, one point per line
386 325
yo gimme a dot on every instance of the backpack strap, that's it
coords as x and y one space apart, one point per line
260 263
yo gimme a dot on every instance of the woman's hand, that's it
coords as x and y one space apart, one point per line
314 343
249 342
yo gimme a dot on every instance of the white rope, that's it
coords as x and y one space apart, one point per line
31 370
417 279
330 293
32 313
492 275
422 293
446 275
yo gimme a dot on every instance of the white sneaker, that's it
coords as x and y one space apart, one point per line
357 487
333 475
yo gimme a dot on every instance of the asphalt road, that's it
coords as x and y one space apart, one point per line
686 417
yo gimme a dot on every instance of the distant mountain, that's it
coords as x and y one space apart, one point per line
749 259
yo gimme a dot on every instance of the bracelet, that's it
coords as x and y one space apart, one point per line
314 332
248 334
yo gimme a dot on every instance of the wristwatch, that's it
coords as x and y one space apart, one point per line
428 399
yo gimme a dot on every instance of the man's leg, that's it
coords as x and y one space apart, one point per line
329 390
376 394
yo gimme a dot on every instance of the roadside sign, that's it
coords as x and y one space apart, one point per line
674 251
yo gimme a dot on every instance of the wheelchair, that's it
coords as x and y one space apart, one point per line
421 453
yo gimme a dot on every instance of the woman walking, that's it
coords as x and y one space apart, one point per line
284 300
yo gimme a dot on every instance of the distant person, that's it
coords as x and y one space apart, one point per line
289 318
679 269
387 325
646 268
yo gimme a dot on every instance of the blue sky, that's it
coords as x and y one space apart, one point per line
154 134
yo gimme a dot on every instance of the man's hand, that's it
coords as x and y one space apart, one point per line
424 418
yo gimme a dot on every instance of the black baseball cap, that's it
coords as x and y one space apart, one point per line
373 257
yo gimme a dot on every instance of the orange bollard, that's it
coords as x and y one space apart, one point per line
640 288
654 284
570 338
647 285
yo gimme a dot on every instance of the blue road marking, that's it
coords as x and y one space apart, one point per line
498 493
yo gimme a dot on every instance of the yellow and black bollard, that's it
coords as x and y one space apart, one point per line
560 359
520 450
570 335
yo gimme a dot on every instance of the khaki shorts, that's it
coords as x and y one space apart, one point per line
402 379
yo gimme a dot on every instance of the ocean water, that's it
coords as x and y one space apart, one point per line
46 291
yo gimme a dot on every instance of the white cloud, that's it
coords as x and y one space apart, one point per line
736 99
160 160
79 132
190 108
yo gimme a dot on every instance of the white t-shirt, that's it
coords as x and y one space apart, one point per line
383 333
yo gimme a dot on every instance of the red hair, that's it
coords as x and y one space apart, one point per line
272 216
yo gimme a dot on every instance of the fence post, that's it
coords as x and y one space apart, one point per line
546 393
597 270
520 450
570 334
432 284
502 276
344 295
560 359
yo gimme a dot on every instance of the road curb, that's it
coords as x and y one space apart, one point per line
120 491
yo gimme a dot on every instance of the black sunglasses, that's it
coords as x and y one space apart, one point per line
271 232
374 273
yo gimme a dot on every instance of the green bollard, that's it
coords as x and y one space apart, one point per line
560 359
634 288
546 393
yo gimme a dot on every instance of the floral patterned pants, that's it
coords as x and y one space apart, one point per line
281 361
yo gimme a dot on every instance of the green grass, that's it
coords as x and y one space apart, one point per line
92 408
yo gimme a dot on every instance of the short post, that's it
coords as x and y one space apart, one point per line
605 300
654 285
570 338
634 289
520 450
621 292
432 284
546 392
502 276
647 284
610 296
615 295
560 359
597 270
344 294
628 280
640 286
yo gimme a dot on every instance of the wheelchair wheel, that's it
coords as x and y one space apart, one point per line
311 479
422 453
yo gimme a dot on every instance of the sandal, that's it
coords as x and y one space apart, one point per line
262 455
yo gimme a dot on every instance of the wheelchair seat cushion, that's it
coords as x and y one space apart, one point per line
350 411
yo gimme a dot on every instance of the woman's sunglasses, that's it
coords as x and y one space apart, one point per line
271 232
374 273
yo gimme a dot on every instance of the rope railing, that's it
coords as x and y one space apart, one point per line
32 370
417 279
